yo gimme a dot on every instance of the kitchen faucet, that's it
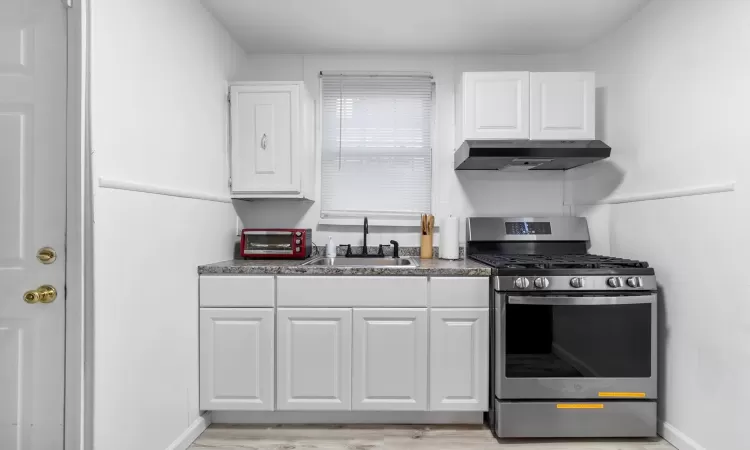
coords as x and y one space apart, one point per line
364 239
380 254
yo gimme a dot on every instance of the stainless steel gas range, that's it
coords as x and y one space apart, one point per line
573 335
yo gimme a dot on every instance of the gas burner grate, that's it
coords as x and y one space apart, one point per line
557 261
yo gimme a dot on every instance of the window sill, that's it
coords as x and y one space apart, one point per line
358 222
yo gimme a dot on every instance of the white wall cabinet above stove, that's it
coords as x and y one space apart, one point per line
562 105
272 140
495 105
526 105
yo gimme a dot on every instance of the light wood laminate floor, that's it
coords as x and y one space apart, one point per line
355 437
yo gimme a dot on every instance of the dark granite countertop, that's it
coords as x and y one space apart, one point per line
427 267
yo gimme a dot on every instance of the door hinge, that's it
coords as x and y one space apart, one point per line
68 3
230 182
229 97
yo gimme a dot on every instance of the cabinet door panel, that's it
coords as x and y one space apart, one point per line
265 133
496 105
362 292
390 360
459 359
236 359
231 291
459 292
563 105
314 359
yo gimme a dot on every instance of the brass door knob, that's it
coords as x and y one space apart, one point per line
44 294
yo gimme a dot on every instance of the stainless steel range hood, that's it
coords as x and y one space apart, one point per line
525 155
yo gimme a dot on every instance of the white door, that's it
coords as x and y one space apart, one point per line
236 359
265 136
563 105
314 349
496 105
33 53
389 370
459 359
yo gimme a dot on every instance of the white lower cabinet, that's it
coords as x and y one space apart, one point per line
314 351
389 370
459 359
430 353
236 359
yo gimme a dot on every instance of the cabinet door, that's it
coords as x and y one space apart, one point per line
236 359
390 359
496 105
314 359
459 359
563 105
265 136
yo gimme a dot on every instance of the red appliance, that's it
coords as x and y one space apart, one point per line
283 243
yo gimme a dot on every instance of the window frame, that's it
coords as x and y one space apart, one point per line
377 218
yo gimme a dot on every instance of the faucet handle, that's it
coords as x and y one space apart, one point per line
380 249
348 249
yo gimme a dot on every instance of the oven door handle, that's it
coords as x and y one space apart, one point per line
553 300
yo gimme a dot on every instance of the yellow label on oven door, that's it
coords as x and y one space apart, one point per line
623 394
580 406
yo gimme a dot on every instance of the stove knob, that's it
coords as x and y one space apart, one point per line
296 249
615 282
299 233
522 283
541 283
635 282
577 282
297 241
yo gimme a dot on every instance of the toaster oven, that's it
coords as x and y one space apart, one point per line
286 243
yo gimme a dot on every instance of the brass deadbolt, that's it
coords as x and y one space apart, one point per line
46 255
44 294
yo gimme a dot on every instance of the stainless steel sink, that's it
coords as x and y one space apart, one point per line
364 262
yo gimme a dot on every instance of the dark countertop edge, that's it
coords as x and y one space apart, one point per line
367 273
269 269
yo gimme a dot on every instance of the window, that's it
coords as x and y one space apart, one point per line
376 145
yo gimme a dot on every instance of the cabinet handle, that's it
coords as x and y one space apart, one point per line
264 141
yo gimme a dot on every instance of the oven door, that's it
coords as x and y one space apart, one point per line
582 347
261 242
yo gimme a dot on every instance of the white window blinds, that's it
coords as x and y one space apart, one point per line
376 145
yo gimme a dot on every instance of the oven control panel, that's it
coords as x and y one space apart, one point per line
575 283
527 228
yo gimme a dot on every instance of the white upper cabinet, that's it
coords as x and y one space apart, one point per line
314 359
389 371
524 105
272 141
236 359
495 105
563 105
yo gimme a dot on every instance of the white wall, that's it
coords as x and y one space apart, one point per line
672 102
463 193
159 74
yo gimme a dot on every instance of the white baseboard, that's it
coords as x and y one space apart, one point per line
676 437
188 436
348 417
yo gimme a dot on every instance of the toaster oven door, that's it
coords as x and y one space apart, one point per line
268 243
578 347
